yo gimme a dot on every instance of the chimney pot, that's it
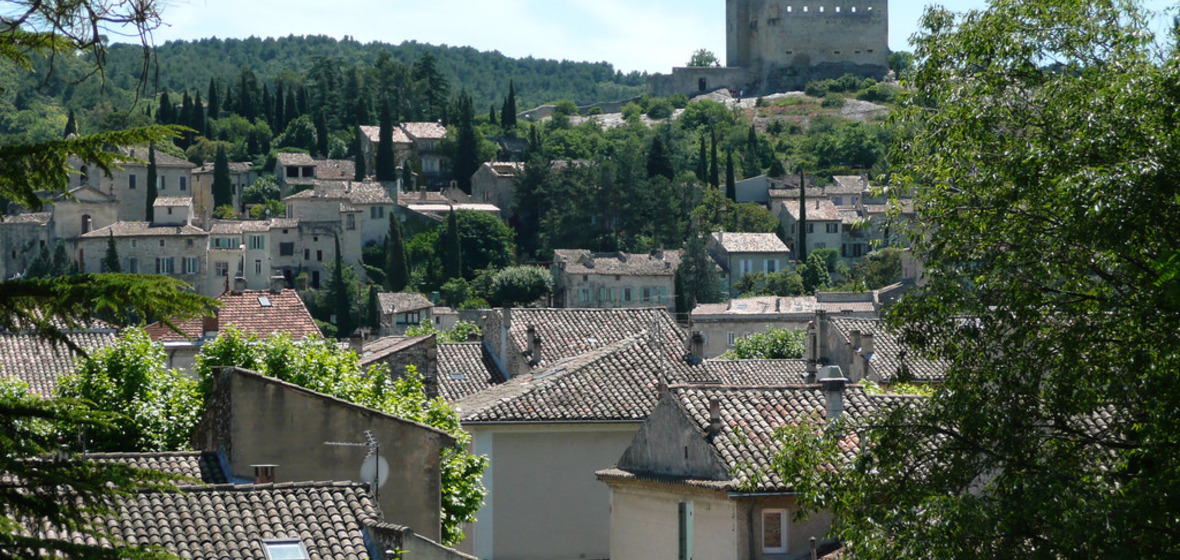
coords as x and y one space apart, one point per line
833 383
854 339
264 474
239 284
209 325
866 344
714 417
277 283
357 343
697 349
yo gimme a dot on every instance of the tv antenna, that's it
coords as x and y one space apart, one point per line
374 468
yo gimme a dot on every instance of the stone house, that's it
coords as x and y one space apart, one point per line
402 310
127 181
495 183
868 349
293 168
698 480
739 254
241 175
21 237
418 139
614 280
259 313
82 211
248 422
824 223
169 245
723 324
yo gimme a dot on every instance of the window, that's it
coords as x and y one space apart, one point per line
257 242
307 254
774 531
833 228
292 171
376 212
626 294
839 201
85 223
602 293
315 279
286 249
319 255
414 318
684 530
133 265
192 265
131 182
702 85
583 295
747 266
184 183
160 182
646 294
134 243
257 267
350 221
284 549
188 242
161 242
810 227
169 210
730 338
165 265
770 265
221 269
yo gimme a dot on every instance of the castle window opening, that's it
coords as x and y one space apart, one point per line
790 9
853 9
805 9
701 84
821 9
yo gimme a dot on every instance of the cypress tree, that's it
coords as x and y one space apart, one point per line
164 112
407 175
279 123
229 98
71 125
267 105
358 160
151 183
466 161
508 112
714 171
385 164
753 163
197 120
658 160
492 114
730 183
247 84
702 162
452 258
223 192
301 103
397 273
214 105
362 111
340 297
373 317
801 252
110 261
321 134
291 111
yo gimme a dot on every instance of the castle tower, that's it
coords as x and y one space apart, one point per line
737 33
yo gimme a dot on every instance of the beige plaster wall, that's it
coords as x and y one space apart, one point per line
644 523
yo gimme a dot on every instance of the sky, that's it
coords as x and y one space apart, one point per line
643 35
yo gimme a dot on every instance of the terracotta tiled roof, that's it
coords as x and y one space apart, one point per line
200 465
402 302
848 184
424 130
225 227
765 305
234 167
465 368
373 133
746 445
145 229
247 311
431 197
293 158
757 372
399 136
889 355
818 209
505 169
566 333
39 363
231 521
750 242
173 201
162 159
578 261
335 169
350 191
35 218
618 382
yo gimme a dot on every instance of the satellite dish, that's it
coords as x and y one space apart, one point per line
375 467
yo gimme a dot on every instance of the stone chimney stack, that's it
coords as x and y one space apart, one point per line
505 328
534 341
854 339
277 283
239 285
209 325
866 344
357 343
833 383
264 474
697 346
714 417
811 353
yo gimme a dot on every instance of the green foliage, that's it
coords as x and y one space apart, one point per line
783 283
373 309
718 213
459 333
384 161
300 133
155 408
697 278
264 189
770 344
397 271
110 261
341 296
226 212
451 249
703 57
47 264
832 101
324 367
270 208
455 291
465 157
484 242
875 270
520 285
815 273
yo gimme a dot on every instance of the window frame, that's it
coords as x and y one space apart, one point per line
784 527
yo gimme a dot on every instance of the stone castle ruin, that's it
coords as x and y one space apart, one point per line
780 45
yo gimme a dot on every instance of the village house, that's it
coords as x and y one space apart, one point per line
822 224
82 210
868 350
169 245
400 311
413 139
127 182
614 280
739 254
241 175
723 324
258 313
698 479
21 237
495 183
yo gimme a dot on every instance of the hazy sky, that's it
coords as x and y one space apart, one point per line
645 35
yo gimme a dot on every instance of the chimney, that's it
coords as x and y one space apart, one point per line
473 337
534 341
239 285
833 383
505 328
854 339
264 474
866 344
661 388
810 352
277 283
422 194
357 343
821 335
714 417
209 325
697 347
